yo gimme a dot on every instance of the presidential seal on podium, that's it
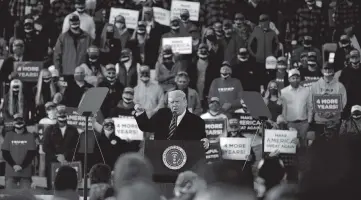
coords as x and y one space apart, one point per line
174 157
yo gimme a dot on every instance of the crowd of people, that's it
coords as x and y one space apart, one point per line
302 56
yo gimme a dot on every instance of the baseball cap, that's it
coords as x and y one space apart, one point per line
242 51
120 19
293 72
61 110
18 42
263 18
74 18
28 21
213 99
227 24
108 121
167 51
225 63
281 60
271 62
184 12
233 121
18 116
175 19
79 2
344 39
49 105
110 67
354 53
142 24
203 46
129 90
356 108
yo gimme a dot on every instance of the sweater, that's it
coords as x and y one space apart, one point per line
333 87
227 90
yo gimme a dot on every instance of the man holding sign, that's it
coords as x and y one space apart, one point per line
328 97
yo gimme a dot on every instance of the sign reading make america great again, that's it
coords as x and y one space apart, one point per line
247 123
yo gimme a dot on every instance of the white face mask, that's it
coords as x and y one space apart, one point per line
52 114
242 59
108 132
328 74
119 25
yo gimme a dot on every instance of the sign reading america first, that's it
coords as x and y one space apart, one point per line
28 71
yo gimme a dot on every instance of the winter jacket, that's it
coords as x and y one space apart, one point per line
232 47
333 87
128 78
71 51
351 79
166 76
262 44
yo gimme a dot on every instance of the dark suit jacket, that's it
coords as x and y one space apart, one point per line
191 127
55 143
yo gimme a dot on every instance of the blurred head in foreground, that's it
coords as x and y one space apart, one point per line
225 192
140 189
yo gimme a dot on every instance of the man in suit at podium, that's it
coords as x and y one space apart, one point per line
174 122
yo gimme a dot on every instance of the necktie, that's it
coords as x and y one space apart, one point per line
172 126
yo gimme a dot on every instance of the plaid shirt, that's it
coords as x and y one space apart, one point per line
346 15
59 10
308 22
17 8
214 11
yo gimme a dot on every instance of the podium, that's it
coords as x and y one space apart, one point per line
171 157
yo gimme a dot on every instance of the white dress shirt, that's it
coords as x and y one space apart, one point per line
63 129
295 103
180 117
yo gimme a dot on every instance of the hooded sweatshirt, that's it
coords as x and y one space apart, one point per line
227 90
333 87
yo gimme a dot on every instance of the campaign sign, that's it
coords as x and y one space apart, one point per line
28 71
214 129
76 165
126 128
131 16
235 148
327 103
247 123
73 118
192 7
181 45
161 16
280 140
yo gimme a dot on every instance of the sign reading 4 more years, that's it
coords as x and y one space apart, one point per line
327 103
28 71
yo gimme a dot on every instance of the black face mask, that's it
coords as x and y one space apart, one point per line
307 43
184 17
110 35
211 38
273 91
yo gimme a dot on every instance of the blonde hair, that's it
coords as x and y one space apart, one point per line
20 104
39 100
267 95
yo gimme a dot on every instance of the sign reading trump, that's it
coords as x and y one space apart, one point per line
126 128
192 7
28 71
327 103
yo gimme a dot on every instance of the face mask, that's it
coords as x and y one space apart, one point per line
93 59
46 80
211 38
312 65
80 10
225 75
141 32
79 78
119 25
28 30
202 55
125 59
242 59
127 100
175 28
19 125
328 74
111 79
219 33
184 18
35 11
228 34
307 43
110 35
294 84
108 132
281 67
273 91
311 3
75 28
356 116
62 119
